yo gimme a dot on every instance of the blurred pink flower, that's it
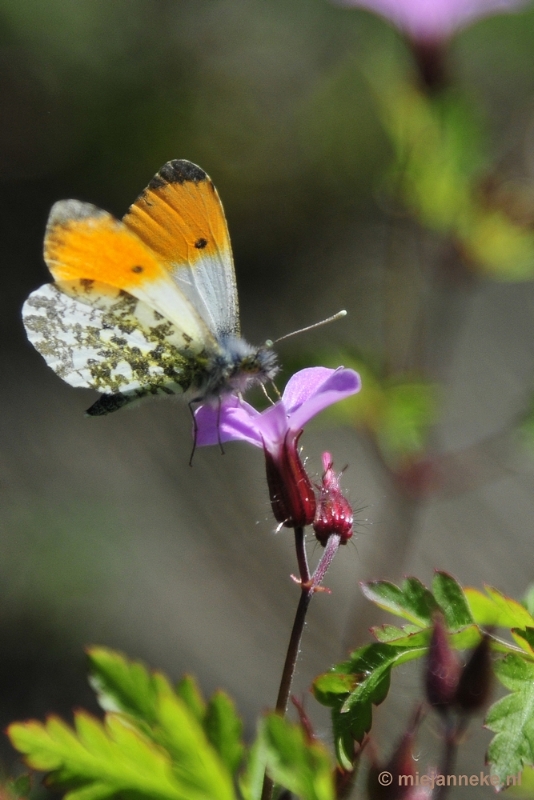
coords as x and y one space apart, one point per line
434 20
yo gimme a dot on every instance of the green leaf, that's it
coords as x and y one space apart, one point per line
391 633
155 747
528 600
331 686
524 638
194 760
452 601
354 686
412 600
188 690
251 781
122 685
102 760
224 730
497 609
512 719
524 787
301 766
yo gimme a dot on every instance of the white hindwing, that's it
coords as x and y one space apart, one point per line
111 341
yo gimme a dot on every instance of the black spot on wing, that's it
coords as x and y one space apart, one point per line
201 243
177 171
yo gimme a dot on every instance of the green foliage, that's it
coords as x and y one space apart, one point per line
301 766
224 730
495 608
157 741
354 686
438 171
351 688
512 718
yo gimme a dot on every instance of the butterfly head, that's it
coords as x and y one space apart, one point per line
238 366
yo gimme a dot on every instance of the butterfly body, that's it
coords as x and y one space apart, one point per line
147 305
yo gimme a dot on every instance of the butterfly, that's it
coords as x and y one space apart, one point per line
146 305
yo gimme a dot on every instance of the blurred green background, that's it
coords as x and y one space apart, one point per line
106 534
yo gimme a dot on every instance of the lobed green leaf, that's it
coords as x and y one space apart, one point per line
152 744
512 719
295 763
224 730
451 599
412 600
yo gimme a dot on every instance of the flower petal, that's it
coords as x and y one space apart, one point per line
272 426
303 385
340 384
435 20
233 420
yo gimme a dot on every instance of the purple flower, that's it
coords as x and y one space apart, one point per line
277 431
434 20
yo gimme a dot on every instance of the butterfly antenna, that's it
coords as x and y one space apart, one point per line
333 318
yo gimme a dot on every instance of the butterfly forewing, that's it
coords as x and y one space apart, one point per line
180 218
111 341
84 242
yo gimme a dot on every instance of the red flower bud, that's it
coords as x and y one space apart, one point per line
442 669
290 489
474 687
334 513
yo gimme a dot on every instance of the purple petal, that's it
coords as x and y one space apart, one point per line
234 420
434 19
272 426
341 383
303 385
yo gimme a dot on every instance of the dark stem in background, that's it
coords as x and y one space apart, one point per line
452 734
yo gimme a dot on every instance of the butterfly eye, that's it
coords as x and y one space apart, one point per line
201 243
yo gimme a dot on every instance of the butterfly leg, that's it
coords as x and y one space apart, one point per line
195 430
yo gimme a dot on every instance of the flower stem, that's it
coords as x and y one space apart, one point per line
308 587
293 650
331 548
306 594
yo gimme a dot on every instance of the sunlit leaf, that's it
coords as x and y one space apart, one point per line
224 729
412 600
450 596
301 766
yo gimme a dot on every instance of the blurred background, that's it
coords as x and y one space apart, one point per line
351 178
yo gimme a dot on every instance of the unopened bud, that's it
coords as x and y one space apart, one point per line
400 771
290 489
442 669
474 687
334 512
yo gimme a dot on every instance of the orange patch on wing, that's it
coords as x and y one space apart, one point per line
180 222
101 249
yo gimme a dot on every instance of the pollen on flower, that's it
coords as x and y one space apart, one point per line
334 512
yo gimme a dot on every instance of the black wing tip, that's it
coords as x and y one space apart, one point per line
177 171
108 403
